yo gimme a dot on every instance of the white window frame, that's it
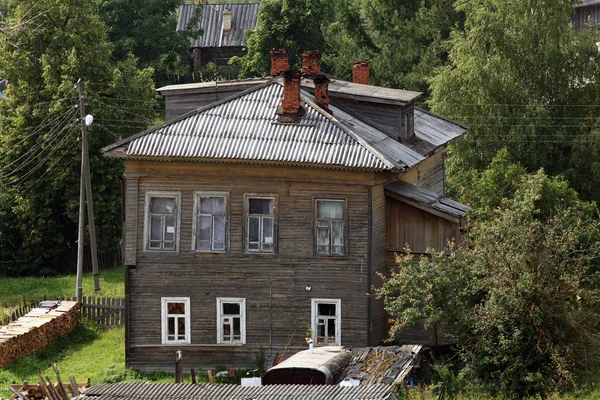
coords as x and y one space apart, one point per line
148 195
338 317
242 303
247 198
344 220
197 196
164 319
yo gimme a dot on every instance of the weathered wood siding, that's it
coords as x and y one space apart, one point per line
277 305
378 263
429 174
417 228
583 16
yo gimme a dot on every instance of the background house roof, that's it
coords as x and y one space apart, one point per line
246 128
204 391
243 17
585 3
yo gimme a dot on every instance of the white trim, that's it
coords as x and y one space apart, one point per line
197 195
338 315
164 326
274 216
242 302
154 193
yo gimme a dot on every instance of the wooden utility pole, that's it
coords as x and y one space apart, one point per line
85 191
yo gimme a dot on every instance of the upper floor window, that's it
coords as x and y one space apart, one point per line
327 321
231 324
210 225
260 224
330 227
162 221
175 320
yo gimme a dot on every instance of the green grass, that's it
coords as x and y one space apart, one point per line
12 290
89 351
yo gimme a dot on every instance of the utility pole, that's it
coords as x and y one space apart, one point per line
85 190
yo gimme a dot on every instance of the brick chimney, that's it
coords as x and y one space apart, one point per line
321 95
310 64
360 72
279 61
291 92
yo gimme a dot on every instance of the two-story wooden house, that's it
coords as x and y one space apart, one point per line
272 210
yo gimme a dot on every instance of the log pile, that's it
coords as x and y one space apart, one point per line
46 390
37 329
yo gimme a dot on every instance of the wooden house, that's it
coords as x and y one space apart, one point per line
224 29
586 12
273 209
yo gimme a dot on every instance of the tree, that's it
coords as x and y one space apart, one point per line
520 77
147 29
61 41
521 303
296 25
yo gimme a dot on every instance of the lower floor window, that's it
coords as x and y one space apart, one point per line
231 322
326 321
175 320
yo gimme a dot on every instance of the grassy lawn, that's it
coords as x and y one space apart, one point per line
12 290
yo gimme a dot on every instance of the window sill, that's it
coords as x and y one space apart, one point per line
165 252
188 345
199 252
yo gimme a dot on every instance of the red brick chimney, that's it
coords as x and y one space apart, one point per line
310 64
321 95
360 72
279 61
291 92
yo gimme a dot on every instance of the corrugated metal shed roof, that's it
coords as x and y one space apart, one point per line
428 199
243 17
245 128
182 391
585 3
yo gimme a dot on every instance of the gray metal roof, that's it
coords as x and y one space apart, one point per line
243 17
351 90
586 3
183 391
434 130
245 128
428 199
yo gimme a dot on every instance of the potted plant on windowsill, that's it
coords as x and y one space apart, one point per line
308 335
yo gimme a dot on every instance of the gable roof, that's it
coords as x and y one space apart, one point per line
245 128
243 17
205 391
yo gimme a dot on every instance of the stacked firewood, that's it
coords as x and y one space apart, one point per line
47 390
36 330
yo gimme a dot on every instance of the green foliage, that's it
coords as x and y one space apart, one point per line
296 25
53 44
522 301
518 75
146 29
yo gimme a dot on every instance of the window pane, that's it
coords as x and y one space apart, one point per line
331 327
226 329
169 228
218 246
176 308
204 227
267 248
212 205
180 328
253 229
237 328
162 204
169 245
253 246
156 227
171 327
260 206
231 308
323 237
326 309
330 209
337 233
219 229
154 244
267 230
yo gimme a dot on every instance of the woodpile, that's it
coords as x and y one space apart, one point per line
37 329
46 390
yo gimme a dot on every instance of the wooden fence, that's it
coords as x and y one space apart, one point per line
68 264
104 311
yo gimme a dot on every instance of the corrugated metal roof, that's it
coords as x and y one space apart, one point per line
182 391
243 17
246 128
428 198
